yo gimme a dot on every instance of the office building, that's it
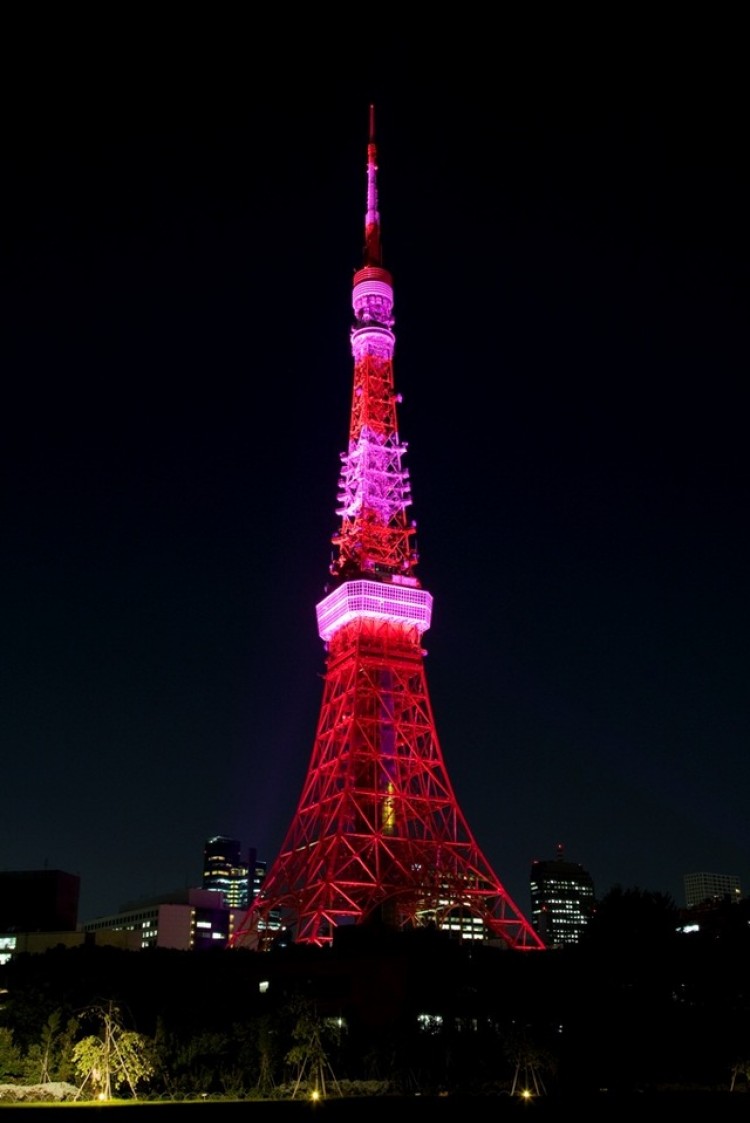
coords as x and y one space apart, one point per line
711 888
225 871
562 900
189 920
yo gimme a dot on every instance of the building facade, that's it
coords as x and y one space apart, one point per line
189 920
225 871
562 900
711 888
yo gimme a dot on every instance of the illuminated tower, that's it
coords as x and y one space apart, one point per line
378 831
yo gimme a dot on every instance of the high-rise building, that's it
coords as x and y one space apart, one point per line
257 872
378 832
562 900
711 888
226 872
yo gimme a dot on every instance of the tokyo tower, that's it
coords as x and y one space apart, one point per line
378 832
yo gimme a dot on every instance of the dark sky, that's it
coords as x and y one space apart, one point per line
569 252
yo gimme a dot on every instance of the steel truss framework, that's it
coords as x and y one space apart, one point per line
378 831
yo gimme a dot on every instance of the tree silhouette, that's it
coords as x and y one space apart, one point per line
529 1061
308 1053
638 918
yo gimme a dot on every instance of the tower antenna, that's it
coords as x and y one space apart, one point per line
373 252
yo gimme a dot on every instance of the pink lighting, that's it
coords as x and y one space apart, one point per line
396 604
378 831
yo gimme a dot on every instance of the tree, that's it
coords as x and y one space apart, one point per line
117 1058
51 1058
309 1054
529 1064
201 1063
259 1051
11 1061
740 1069
634 918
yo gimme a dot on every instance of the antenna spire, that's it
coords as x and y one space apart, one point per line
373 252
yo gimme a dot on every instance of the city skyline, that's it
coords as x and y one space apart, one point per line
568 279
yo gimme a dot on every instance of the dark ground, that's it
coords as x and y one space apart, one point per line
713 1105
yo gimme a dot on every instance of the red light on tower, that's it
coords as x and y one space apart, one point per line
377 831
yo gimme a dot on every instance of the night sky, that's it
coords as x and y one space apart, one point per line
569 253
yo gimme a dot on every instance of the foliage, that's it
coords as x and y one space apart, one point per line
678 1005
308 1054
51 1058
117 1058
740 1074
530 1062
11 1059
636 918
195 1065
260 1051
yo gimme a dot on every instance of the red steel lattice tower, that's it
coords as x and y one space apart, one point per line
378 831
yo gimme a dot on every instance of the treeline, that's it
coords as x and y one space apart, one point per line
637 1005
